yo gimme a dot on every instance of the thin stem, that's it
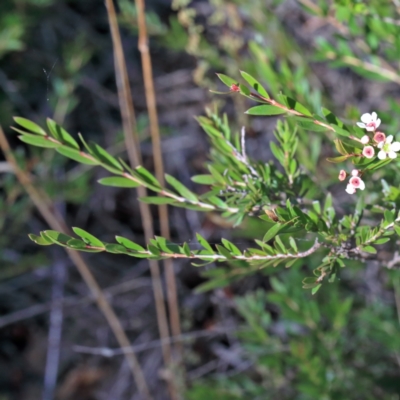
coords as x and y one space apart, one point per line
159 168
44 204
133 149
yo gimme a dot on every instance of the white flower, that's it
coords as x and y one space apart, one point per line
365 139
388 149
355 183
369 121
350 189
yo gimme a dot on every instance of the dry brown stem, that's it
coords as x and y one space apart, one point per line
132 145
44 204
159 167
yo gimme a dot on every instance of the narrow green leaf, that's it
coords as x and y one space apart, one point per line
272 232
88 238
293 244
227 80
340 147
104 157
76 155
147 177
315 289
265 109
40 240
203 179
337 159
61 134
38 141
30 126
254 84
118 181
115 248
224 252
204 243
186 249
295 105
231 247
181 189
129 244
157 200
56 237
368 249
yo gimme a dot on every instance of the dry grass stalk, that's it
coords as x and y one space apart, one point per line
133 149
159 168
44 205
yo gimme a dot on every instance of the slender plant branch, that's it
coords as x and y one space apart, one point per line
132 145
44 204
159 169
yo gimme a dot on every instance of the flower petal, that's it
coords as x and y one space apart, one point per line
382 155
350 189
377 123
392 154
366 118
374 116
361 124
395 146
389 139
380 145
365 139
362 185
355 172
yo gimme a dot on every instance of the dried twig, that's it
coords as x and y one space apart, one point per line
44 204
132 145
159 167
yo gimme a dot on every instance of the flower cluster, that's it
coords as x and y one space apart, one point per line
355 182
376 142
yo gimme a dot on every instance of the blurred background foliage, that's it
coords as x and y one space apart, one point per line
265 336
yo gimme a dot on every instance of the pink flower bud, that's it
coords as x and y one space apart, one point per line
235 88
368 151
342 175
365 139
355 172
379 137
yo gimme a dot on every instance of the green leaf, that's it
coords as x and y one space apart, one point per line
40 240
38 141
186 249
231 247
315 289
339 147
115 248
88 238
105 158
265 109
227 80
157 200
293 244
295 105
61 134
389 217
77 244
148 178
30 126
272 232
129 244
224 252
203 179
181 189
56 237
337 160
368 249
76 155
204 243
254 84
118 181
